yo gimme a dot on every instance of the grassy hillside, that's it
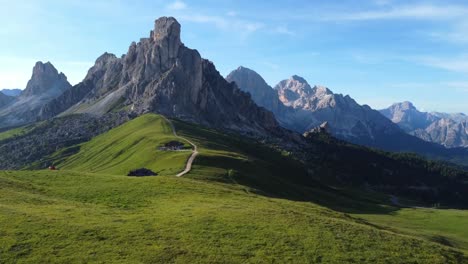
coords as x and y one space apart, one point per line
242 202
130 146
10 133
444 226
73 217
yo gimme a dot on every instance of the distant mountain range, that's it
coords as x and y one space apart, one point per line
11 92
160 74
450 130
305 108
300 107
147 79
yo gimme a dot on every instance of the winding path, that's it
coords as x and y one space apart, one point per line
188 166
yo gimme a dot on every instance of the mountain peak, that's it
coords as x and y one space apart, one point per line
159 74
166 33
298 79
41 68
406 105
244 69
322 90
105 57
45 79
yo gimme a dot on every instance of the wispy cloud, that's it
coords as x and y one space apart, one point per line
455 17
458 85
404 12
284 30
231 13
455 64
458 33
177 5
239 25
272 66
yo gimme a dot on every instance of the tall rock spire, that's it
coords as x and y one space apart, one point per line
166 34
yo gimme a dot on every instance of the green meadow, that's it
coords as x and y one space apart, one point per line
235 206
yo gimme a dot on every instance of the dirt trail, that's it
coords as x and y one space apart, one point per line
188 166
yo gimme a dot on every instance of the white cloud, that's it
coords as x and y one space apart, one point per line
177 5
284 30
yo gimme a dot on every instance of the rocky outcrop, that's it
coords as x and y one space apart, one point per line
449 130
46 83
159 74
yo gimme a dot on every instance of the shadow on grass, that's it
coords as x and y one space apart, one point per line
263 181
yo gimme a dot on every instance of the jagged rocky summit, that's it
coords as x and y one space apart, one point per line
160 74
449 130
301 107
46 83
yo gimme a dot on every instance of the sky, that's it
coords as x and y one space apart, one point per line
377 51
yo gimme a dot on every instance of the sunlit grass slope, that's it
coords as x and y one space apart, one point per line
130 146
242 202
445 226
73 217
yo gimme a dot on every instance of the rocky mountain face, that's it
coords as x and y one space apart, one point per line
160 74
5 99
11 92
311 109
264 95
46 83
450 130
251 82
457 117
346 118
408 117
301 107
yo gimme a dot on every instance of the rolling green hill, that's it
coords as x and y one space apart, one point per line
242 202
130 146
72 217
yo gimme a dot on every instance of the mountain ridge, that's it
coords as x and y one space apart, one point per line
160 74
11 92
309 107
449 130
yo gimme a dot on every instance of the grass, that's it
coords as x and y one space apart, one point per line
243 202
445 226
15 132
130 146
72 217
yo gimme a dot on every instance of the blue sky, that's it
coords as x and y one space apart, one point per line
377 51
